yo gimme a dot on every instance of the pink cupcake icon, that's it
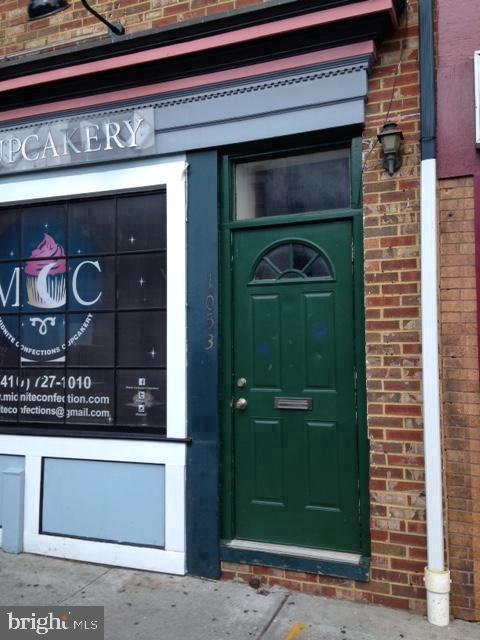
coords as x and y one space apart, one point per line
45 278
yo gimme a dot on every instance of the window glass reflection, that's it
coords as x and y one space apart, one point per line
142 281
9 234
317 269
141 338
292 184
91 227
141 222
91 339
302 256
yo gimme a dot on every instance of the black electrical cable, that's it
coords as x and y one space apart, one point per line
117 28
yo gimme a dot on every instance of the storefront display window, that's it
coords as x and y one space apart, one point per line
83 315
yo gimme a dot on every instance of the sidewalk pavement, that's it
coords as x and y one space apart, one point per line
140 605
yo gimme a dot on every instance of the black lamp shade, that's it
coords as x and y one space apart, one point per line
43 8
390 138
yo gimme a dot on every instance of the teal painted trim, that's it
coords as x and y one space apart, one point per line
356 173
120 502
202 504
313 141
358 572
297 218
361 384
226 365
427 80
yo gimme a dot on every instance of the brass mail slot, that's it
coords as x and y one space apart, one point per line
301 404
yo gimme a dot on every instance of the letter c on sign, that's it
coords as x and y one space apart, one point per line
86 303
31 158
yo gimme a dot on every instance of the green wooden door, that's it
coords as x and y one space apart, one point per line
295 442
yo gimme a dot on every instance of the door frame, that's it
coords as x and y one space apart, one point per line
227 225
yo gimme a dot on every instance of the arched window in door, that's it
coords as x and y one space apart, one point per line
293 260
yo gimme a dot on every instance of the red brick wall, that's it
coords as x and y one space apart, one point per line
18 36
391 218
461 391
392 276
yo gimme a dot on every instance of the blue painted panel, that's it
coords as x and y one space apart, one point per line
262 126
202 322
288 104
116 501
13 509
291 93
350 571
6 462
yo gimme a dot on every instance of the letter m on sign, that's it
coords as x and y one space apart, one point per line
14 282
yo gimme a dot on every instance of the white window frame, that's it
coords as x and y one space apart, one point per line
100 180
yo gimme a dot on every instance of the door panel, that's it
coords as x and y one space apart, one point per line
319 332
266 357
268 471
321 442
295 469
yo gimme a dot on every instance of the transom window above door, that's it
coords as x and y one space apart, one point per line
293 184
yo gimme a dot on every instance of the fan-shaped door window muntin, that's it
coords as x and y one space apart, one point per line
292 260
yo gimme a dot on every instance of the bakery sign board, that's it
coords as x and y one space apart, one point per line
83 139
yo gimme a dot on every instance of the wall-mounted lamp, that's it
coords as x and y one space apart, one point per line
42 8
391 138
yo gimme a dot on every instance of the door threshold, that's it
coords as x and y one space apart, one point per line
296 552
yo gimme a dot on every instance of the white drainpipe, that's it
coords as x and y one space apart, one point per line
437 577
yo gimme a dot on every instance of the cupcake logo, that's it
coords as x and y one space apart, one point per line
45 274
39 289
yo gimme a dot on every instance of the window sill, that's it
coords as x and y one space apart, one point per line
78 433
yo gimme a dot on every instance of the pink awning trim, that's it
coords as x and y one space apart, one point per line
251 71
316 18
